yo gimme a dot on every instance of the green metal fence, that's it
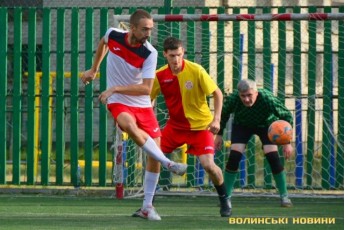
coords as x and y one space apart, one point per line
49 121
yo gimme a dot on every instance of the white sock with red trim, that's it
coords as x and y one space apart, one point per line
151 148
150 184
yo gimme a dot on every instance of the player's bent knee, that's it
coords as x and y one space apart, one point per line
129 126
274 162
208 166
233 161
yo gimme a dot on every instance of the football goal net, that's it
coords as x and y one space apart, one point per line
296 53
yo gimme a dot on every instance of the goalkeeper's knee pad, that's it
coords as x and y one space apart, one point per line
233 161
274 161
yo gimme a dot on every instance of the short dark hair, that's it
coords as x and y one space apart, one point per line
172 43
137 15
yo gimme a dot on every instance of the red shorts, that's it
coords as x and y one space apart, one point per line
144 117
199 142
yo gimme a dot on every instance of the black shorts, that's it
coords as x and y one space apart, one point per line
242 134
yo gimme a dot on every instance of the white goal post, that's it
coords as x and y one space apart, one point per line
236 17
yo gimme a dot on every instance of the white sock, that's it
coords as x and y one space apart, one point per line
150 184
154 151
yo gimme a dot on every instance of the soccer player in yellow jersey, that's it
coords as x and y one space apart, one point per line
185 86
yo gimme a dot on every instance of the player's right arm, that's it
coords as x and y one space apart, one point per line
227 109
287 151
89 75
155 89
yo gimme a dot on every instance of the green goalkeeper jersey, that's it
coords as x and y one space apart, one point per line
266 109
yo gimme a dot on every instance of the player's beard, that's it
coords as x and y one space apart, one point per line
137 40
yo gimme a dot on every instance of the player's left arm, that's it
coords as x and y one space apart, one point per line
283 113
218 102
134 90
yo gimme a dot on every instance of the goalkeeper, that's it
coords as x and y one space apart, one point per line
254 110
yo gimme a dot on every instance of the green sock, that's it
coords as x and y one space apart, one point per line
229 180
280 180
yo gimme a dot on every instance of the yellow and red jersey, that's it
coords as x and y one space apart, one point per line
185 95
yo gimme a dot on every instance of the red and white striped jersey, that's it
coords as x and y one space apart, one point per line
128 65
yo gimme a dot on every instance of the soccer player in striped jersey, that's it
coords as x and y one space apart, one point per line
131 66
254 110
185 86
